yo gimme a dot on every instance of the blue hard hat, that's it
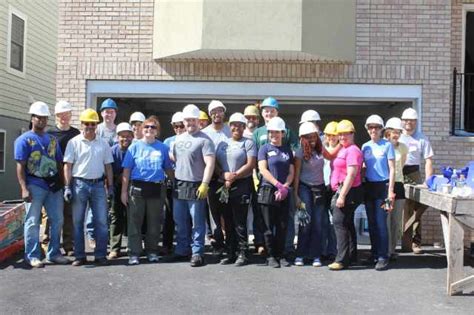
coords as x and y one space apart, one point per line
108 103
270 102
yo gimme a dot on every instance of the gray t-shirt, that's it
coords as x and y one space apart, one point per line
189 151
217 136
108 135
312 170
232 155
418 147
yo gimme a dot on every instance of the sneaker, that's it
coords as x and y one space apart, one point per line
36 263
299 261
228 260
101 261
59 260
113 255
196 260
91 243
79 262
133 260
382 264
241 260
273 262
153 258
336 266
286 262
317 262
416 249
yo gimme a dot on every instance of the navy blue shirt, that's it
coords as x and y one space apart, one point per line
118 155
278 159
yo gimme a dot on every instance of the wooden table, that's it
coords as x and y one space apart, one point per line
457 214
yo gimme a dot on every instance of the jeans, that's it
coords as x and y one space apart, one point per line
328 236
187 237
53 203
290 230
309 237
275 219
87 194
90 225
67 228
377 219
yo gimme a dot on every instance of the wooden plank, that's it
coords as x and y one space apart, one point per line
463 284
466 220
445 226
456 253
433 199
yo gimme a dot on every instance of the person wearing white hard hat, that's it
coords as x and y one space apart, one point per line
63 131
38 165
136 121
145 165
310 191
194 155
276 164
379 161
168 225
419 148
393 130
219 132
312 116
118 211
235 161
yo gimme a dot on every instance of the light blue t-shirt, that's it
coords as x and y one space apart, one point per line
147 161
376 156
217 136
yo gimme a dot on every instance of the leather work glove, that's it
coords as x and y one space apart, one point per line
67 194
282 192
110 193
202 191
302 216
223 193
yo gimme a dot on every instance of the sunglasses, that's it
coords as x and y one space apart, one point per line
178 126
89 124
374 127
150 127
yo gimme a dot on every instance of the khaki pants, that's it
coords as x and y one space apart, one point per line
413 234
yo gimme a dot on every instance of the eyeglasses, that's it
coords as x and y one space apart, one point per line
150 127
89 124
374 127
178 126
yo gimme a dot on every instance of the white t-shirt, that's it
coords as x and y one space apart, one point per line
418 147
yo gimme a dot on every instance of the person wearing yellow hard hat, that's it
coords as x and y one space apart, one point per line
38 162
346 183
252 115
87 171
203 119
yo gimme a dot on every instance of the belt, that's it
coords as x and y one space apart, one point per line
90 181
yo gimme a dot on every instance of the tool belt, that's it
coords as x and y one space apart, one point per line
185 190
266 195
241 187
54 182
318 191
145 189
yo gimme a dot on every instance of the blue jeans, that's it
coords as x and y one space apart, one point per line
377 219
53 203
188 237
309 237
90 224
93 195
328 235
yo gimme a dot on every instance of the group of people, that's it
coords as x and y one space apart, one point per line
203 182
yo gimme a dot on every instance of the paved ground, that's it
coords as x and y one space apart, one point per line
414 284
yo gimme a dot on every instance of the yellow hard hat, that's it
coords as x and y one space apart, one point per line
89 115
251 110
331 128
203 115
345 126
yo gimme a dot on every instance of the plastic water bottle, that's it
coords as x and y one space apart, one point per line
454 179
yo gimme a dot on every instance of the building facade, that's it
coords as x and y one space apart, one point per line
28 53
363 57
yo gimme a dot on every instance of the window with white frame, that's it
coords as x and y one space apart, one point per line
16 50
3 140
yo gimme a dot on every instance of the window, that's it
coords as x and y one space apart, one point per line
16 42
3 135
468 108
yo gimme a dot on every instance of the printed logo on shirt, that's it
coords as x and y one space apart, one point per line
378 153
285 156
155 154
368 153
183 145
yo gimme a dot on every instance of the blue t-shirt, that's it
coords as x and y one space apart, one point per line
41 154
279 160
169 142
118 155
147 161
376 156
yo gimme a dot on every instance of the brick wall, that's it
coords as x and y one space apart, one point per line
410 42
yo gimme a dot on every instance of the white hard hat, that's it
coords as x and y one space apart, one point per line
375 120
306 128
394 123
124 126
310 115
62 107
215 104
237 117
409 113
276 124
177 117
190 111
137 116
39 109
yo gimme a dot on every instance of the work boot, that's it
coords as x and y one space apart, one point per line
229 260
197 260
273 262
382 264
416 249
241 260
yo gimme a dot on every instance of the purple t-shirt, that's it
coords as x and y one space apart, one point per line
279 160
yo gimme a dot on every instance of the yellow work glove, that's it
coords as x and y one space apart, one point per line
202 191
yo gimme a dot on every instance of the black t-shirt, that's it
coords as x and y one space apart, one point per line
63 136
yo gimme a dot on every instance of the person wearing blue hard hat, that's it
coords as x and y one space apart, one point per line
107 128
